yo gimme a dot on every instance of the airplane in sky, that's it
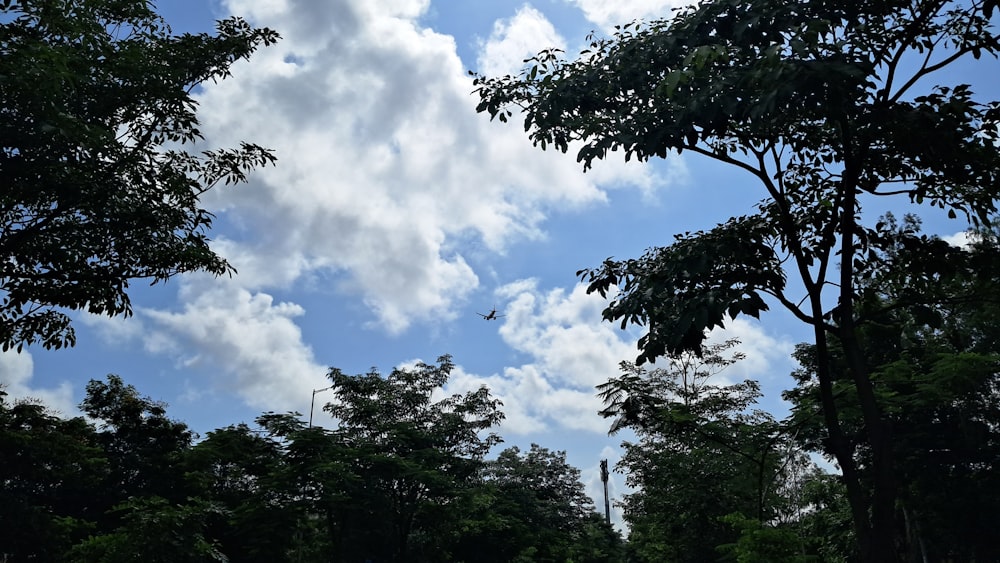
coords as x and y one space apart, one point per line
492 316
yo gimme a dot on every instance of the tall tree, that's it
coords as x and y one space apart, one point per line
144 447
535 509
703 453
414 455
936 371
827 106
244 472
322 478
98 188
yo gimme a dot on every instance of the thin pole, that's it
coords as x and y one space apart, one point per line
312 405
607 501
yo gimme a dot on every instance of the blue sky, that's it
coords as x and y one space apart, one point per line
394 215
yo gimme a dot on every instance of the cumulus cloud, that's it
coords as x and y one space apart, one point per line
767 357
387 177
515 39
16 371
385 169
570 352
248 338
609 13
564 332
112 329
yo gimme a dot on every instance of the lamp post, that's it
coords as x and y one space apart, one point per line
312 405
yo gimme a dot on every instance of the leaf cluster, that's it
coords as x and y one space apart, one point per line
99 188
682 290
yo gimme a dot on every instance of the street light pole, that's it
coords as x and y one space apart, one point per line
312 405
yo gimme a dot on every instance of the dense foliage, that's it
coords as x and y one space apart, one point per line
98 189
403 477
828 106
709 470
937 373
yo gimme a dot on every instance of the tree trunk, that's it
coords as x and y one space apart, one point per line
881 548
839 446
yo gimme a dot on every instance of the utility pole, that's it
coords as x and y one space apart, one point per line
607 501
312 405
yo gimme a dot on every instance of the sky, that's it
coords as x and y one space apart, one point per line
394 216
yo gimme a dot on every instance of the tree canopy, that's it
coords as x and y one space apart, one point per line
827 106
404 476
413 454
705 458
936 371
99 186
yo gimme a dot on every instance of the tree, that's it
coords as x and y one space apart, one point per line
937 373
143 446
703 453
600 543
827 106
534 509
155 530
98 187
82 492
321 480
412 456
824 518
51 469
244 473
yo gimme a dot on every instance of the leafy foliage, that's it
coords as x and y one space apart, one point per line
154 530
51 469
703 455
143 446
412 455
244 475
402 477
936 373
759 543
827 106
535 509
692 285
98 187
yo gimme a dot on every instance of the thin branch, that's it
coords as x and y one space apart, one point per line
727 160
925 70
904 42
795 309
895 192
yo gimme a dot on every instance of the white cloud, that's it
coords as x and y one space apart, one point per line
767 357
16 371
609 13
564 332
571 351
386 176
516 39
112 329
385 169
247 337
962 239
